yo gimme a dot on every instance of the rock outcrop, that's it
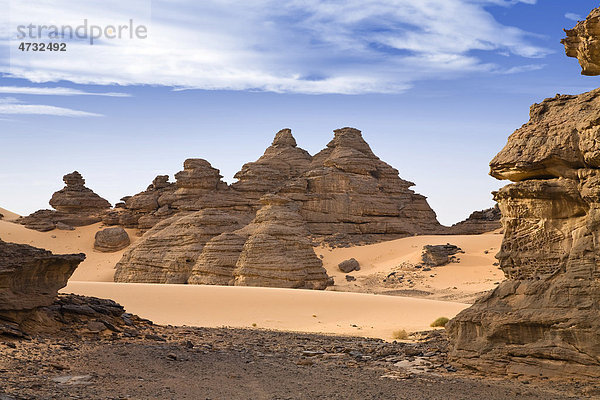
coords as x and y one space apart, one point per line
110 240
282 161
583 42
30 279
350 195
274 250
168 251
349 265
74 205
478 222
544 319
345 193
438 255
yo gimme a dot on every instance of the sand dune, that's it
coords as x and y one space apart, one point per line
281 309
460 281
8 215
98 267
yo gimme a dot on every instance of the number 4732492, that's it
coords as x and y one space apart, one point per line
42 46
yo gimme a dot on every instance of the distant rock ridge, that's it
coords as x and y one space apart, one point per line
544 319
478 222
75 205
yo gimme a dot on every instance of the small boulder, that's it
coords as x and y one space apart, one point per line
349 266
110 240
438 255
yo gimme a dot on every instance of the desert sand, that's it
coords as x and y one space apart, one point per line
336 311
8 215
465 280
281 309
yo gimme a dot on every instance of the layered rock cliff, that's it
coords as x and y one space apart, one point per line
274 250
543 320
583 42
478 222
75 205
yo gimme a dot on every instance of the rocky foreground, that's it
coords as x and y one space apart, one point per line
145 361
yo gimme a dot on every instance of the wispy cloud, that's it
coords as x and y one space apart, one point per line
56 91
301 46
574 17
12 106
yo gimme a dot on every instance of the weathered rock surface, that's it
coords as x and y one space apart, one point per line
75 205
583 42
348 266
478 222
168 251
349 192
110 240
544 319
438 255
31 277
29 280
282 161
274 250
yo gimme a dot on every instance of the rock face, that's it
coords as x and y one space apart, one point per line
75 205
30 279
110 240
543 320
349 194
282 161
583 43
478 222
167 252
274 250
438 255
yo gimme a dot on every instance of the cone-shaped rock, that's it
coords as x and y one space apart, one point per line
348 190
273 251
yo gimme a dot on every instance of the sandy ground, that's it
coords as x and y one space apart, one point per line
314 311
8 215
97 267
463 281
410 304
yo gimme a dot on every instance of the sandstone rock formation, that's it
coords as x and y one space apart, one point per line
344 193
75 205
350 195
29 279
282 161
110 240
583 43
274 250
544 319
168 251
438 255
478 222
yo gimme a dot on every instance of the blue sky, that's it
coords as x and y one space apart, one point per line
436 87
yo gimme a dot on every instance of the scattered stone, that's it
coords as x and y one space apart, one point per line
349 266
350 278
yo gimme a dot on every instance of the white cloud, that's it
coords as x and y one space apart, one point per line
55 91
12 106
303 46
574 17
